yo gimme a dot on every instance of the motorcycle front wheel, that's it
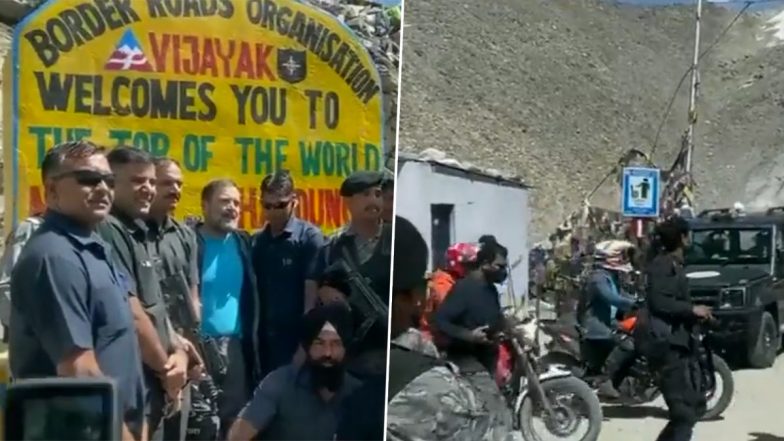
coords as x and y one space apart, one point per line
719 398
578 413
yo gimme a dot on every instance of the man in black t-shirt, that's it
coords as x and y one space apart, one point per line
471 316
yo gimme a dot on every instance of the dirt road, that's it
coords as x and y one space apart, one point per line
756 414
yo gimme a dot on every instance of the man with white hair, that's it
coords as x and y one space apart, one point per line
601 299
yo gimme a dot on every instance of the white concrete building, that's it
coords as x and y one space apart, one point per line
451 202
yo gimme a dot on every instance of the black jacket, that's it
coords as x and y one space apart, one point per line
669 300
250 306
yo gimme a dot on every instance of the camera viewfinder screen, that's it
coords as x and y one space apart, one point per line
73 417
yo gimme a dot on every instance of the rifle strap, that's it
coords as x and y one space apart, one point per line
363 329
346 254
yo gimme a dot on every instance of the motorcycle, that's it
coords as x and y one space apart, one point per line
562 401
568 350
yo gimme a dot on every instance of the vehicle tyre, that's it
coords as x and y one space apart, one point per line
764 352
723 373
557 387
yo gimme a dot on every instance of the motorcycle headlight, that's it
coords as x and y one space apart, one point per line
732 297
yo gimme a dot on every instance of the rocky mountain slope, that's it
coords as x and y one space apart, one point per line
557 90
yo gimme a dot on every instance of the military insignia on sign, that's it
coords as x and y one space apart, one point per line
292 65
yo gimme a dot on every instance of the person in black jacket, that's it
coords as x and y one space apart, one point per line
471 316
672 317
227 291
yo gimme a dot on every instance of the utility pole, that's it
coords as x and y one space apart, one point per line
695 84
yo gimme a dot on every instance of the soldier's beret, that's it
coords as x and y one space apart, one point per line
360 181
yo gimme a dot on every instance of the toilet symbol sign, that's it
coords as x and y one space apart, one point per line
640 192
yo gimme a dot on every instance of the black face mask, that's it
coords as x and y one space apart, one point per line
502 275
328 377
496 275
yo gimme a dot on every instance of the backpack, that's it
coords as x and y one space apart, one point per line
14 244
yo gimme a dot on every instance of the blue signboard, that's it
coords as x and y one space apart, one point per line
640 192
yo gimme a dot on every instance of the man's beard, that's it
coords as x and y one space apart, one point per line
327 377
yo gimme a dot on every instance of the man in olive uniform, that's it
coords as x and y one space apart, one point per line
165 359
175 245
367 241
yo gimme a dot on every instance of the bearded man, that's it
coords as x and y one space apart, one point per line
302 402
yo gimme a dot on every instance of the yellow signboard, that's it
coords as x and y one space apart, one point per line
228 88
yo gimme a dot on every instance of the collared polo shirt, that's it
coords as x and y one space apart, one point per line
281 264
67 294
286 406
131 244
175 246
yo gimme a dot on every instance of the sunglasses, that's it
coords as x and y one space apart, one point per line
278 206
88 178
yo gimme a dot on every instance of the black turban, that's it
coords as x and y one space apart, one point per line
335 313
411 255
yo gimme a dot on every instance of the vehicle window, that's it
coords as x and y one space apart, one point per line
730 245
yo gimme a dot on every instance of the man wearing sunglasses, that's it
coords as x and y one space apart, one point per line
283 251
165 358
367 242
70 300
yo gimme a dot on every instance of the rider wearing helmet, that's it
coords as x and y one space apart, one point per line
602 297
442 280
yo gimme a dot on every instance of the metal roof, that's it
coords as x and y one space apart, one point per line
445 165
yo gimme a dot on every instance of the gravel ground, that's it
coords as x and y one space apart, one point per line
754 415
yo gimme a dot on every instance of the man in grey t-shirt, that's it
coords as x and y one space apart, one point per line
303 402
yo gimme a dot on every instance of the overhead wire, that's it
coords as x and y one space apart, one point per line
748 4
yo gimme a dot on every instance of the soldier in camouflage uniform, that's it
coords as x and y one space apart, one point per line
428 398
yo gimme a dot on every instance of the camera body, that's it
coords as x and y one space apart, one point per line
63 409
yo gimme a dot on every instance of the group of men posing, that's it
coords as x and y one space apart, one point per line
447 392
210 332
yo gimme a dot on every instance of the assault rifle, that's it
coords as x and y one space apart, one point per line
183 315
362 297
